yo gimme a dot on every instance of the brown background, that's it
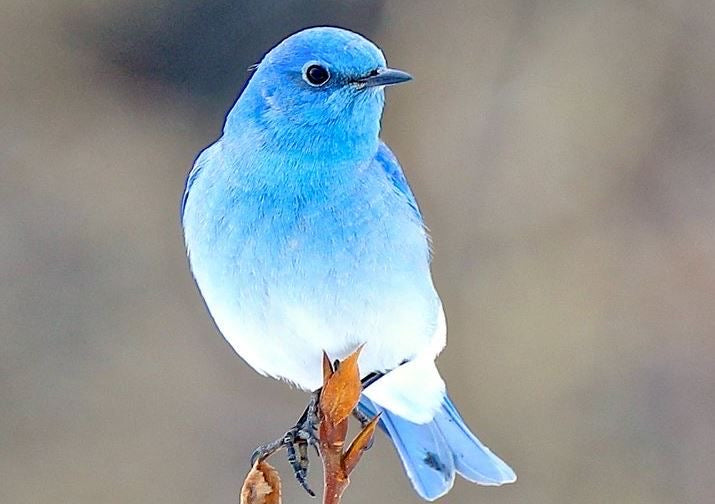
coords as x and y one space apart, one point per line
563 153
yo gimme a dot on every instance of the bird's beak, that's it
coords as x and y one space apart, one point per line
385 77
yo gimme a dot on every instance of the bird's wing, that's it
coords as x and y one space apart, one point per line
201 160
388 162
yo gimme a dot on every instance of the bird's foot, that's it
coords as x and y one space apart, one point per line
296 441
304 434
361 417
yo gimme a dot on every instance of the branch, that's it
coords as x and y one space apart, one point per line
339 397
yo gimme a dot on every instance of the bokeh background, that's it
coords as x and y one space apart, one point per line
563 154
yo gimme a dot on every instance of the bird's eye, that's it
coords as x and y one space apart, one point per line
316 75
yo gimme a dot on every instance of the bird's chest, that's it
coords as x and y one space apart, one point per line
323 238
302 268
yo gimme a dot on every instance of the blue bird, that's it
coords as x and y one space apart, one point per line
304 236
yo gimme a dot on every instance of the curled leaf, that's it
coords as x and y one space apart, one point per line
359 445
342 389
262 485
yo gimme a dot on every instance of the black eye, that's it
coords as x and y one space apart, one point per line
317 75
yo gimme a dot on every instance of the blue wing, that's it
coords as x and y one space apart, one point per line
387 160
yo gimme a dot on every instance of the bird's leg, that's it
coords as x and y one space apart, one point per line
302 434
361 417
371 378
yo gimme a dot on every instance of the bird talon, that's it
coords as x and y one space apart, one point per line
302 434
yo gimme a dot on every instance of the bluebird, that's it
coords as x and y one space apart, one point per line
304 237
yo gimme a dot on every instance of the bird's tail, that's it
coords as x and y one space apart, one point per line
433 452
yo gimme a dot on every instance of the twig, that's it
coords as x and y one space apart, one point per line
339 398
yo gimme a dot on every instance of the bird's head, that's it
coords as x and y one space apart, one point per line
321 86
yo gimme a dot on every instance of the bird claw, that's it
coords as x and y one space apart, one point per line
298 437
304 434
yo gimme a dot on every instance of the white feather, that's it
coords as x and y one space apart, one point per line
414 390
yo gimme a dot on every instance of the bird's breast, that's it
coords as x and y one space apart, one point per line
313 265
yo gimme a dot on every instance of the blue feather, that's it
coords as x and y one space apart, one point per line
425 455
191 178
391 165
432 453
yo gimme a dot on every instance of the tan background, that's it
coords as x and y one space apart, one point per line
563 153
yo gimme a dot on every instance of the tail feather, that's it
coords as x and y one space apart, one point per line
432 453
472 459
423 450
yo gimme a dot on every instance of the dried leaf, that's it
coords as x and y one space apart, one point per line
359 445
342 389
262 485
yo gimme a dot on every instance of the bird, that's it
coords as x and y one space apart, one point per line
304 237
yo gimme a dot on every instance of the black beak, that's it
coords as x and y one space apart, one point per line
384 77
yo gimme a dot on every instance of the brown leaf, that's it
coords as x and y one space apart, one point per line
359 445
262 485
342 389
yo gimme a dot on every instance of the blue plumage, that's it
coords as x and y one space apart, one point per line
389 163
432 453
304 236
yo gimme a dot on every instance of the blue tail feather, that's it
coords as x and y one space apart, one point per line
432 453
425 455
472 459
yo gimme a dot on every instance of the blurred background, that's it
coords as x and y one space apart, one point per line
563 155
